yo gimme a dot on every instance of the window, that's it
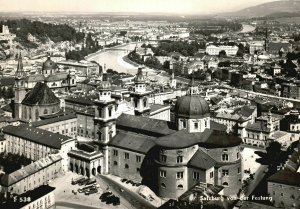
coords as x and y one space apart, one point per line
145 102
239 170
109 112
237 155
126 166
179 175
205 123
163 185
163 173
115 152
211 174
196 125
180 186
225 184
135 103
115 163
163 158
126 155
138 159
179 159
224 157
138 169
225 172
196 175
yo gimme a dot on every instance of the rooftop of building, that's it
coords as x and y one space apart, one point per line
33 194
202 160
54 120
134 142
253 205
144 125
36 135
12 178
286 177
40 95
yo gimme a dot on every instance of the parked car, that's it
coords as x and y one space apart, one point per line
83 182
91 181
75 181
91 191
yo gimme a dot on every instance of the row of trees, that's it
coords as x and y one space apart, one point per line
12 162
183 47
208 27
90 47
7 93
42 31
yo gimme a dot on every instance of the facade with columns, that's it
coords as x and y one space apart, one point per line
86 163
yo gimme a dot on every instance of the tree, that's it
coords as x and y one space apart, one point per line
10 93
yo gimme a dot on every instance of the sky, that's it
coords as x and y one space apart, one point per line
148 6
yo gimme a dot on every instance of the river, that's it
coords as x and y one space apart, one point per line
113 58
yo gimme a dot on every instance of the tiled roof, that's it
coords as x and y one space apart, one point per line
35 78
33 194
135 142
57 77
258 126
221 139
36 135
286 177
40 95
12 178
202 160
144 125
80 100
156 107
53 120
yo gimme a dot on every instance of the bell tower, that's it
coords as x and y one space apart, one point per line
140 96
173 81
20 91
105 120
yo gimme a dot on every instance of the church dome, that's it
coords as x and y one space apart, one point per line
191 106
49 64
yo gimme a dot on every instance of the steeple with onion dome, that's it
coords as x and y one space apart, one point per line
105 119
140 95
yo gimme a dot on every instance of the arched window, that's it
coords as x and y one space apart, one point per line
180 186
45 111
225 184
126 166
224 157
163 185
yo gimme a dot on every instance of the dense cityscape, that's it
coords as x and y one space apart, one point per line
142 111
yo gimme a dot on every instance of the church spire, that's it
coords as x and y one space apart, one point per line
20 72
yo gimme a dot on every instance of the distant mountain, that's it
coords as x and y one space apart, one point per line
283 6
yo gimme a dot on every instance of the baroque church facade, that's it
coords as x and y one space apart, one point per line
179 154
